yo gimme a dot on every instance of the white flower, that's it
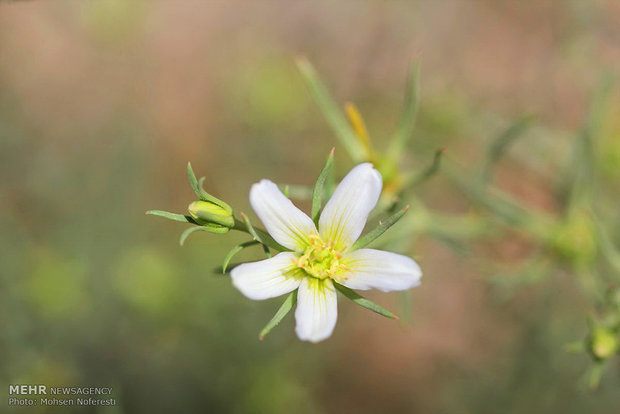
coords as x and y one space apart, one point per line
318 259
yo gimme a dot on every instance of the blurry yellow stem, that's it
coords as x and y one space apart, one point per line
357 122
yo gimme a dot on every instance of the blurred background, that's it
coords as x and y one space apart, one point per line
102 103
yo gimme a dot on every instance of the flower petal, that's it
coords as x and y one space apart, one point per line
268 278
317 309
376 269
346 212
287 224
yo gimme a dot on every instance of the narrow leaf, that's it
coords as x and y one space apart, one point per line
258 234
201 193
193 182
229 268
406 123
236 250
379 230
210 229
255 235
608 248
288 304
171 216
297 192
431 170
362 301
500 144
584 162
331 111
317 194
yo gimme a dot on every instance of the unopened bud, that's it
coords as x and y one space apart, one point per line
206 212
575 239
604 342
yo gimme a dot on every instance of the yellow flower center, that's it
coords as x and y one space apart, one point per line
321 260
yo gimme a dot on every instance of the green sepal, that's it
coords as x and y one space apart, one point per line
379 230
362 301
332 113
317 193
206 212
201 193
288 304
211 228
406 123
236 250
171 216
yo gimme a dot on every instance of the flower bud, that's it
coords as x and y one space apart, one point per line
206 212
575 239
603 342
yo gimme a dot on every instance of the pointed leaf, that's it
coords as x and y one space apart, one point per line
362 301
317 194
201 193
332 113
608 248
209 228
379 230
171 216
408 117
297 192
501 144
583 166
255 235
431 170
236 250
288 304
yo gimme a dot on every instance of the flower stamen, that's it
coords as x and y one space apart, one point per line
321 260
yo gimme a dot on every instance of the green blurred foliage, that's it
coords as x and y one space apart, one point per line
103 103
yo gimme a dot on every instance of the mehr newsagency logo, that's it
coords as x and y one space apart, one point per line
39 394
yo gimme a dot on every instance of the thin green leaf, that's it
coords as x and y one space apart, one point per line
505 207
171 216
201 193
582 185
236 250
499 146
431 170
288 304
317 194
193 182
255 235
595 373
608 248
406 123
332 113
362 301
218 270
258 234
211 229
379 230
297 192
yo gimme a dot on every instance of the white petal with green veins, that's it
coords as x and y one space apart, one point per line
268 278
317 309
346 212
377 269
287 224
